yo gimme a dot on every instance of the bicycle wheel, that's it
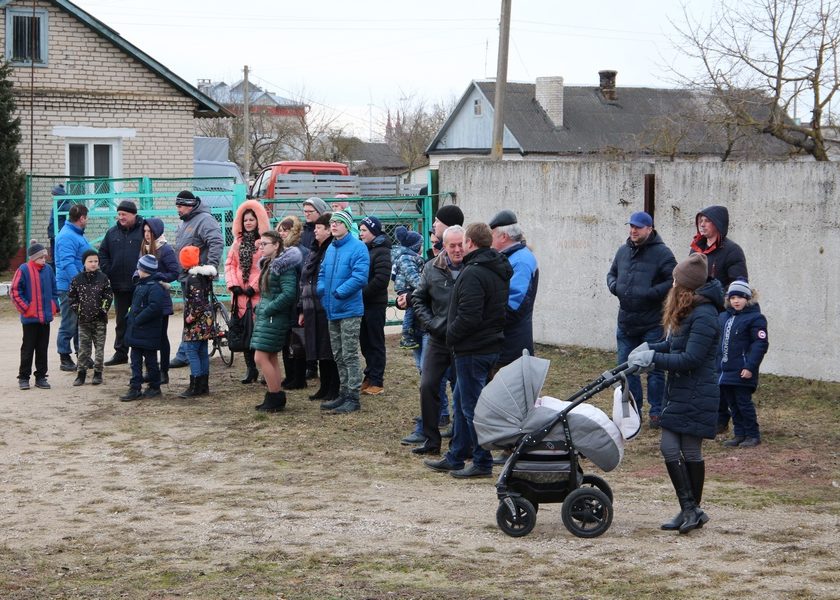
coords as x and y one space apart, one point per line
221 321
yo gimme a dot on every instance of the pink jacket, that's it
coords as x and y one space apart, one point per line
233 273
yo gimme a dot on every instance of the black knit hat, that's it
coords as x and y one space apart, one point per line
89 252
127 206
450 215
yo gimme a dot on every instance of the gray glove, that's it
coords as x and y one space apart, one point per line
635 351
641 358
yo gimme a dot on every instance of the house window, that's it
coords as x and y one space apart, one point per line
477 108
26 36
94 159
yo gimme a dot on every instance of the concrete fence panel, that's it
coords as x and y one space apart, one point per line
785 216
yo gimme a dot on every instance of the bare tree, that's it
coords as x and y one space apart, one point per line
270 136
761 59
416 123
314 134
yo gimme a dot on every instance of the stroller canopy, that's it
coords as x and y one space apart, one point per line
506 411
505 402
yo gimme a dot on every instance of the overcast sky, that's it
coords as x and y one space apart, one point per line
361 57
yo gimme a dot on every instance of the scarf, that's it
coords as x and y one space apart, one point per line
247 248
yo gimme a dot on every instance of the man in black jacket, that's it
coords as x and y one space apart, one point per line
431 310
726 262
118 255
725 258
640 276
475 332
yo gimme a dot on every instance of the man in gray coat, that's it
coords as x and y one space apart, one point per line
198 228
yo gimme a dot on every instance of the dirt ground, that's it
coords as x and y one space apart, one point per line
170 498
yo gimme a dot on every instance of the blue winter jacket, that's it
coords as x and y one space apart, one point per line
519 328
145 317
70 244
743 344
343 275
688 355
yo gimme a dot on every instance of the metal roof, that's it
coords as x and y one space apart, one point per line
639 120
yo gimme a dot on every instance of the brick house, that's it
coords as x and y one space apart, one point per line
100 107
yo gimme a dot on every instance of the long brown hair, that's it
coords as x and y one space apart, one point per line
678 304
148 247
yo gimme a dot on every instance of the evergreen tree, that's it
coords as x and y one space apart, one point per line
12 190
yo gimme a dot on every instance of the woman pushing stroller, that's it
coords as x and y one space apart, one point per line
689 413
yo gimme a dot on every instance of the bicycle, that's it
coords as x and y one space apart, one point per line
221 324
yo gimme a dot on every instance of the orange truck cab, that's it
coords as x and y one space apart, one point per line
264 184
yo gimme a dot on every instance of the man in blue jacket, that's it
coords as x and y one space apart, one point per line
640 276
509 240
341 279
70 245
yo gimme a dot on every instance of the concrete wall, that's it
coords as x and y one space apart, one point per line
786 216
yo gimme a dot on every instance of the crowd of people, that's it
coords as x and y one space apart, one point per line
315 292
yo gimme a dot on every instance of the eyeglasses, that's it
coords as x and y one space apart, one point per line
266 243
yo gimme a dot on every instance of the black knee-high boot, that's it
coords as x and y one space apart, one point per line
691 515
696 476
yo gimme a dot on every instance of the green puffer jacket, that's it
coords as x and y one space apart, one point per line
278 301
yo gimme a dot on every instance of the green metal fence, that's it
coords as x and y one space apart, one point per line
155 197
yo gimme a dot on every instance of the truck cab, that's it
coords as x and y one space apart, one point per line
264 184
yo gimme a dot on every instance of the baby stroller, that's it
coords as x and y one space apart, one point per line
546 437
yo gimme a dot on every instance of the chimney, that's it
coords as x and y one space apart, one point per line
549 94
608 84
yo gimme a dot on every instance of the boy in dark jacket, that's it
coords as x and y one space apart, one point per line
34 296
90 297
742 347
142 331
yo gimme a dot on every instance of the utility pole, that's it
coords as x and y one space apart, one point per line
246 123
501 82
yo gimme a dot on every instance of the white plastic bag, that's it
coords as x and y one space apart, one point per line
625 414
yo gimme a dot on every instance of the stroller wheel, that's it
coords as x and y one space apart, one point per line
516 516
587 512
593 481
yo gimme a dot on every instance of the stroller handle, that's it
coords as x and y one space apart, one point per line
618 374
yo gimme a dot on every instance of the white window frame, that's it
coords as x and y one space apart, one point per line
43 16
115 166
90 136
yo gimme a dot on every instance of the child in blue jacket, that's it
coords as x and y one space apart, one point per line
142 330
34 296
742 347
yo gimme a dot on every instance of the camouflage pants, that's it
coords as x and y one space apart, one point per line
344 339
92 333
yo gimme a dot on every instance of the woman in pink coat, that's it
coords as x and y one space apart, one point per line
242 267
